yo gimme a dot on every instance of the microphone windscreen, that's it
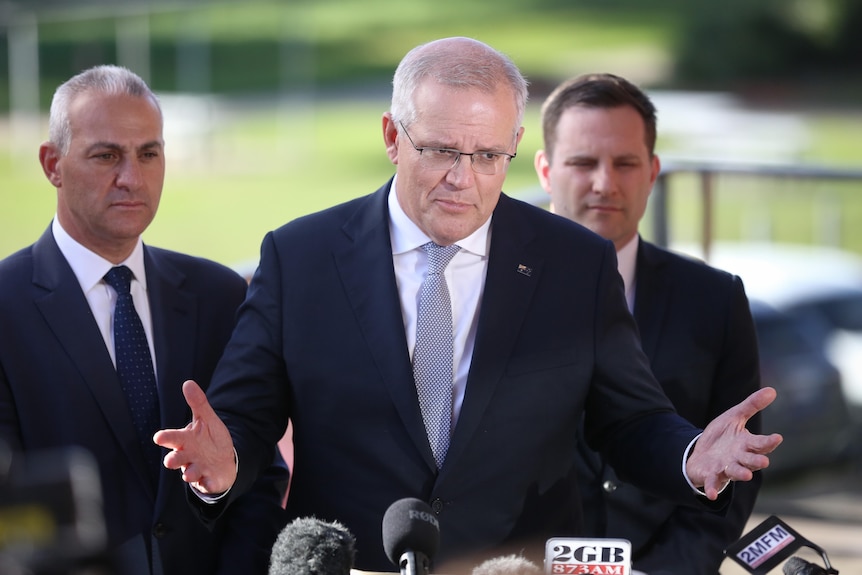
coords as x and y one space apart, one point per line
410 525
507 565
798 566
309 546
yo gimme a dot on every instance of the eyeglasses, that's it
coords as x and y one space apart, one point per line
447 159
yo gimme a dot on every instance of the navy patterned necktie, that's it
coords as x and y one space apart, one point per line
433 365
135 365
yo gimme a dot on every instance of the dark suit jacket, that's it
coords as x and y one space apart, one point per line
320 339
59 388
697 330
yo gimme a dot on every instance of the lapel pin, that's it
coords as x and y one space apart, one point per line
522 269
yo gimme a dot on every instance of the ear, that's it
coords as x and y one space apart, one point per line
390 137
655 169
49 158
540 162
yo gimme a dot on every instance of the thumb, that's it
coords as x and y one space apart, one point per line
197 401
757 401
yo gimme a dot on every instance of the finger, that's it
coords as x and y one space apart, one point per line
201 410
757 401
191 474
177 459
739 472
711 487
170 438
765 444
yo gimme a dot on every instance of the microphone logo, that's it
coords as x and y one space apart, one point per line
765 546
424 516
769 544
575 555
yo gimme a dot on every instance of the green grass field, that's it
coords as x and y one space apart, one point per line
231 181
227 187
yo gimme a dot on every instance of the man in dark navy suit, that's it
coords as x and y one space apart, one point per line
59 387
599 166
536 333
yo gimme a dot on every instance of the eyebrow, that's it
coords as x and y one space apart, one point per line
114 146
439 145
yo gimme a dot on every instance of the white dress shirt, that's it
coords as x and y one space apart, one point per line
627 258
465 276
90 268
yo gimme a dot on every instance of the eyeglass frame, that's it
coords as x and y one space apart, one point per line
454 165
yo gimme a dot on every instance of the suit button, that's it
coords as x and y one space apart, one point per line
609 486
437 506
160 530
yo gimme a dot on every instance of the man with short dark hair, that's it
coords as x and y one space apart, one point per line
599 166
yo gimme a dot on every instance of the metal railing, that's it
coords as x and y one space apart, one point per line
707 173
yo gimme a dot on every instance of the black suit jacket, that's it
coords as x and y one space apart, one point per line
696 328
59 388
320 339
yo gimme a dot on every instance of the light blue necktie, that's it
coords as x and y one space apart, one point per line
135 365
433 353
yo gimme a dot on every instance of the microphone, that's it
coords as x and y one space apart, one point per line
507 565
768 544
309 546
798 566
411 535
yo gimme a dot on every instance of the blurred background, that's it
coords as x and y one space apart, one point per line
273 109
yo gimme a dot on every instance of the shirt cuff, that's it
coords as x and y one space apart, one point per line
211 499
684 474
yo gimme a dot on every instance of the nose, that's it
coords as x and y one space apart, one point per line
461 173
603 179
129 174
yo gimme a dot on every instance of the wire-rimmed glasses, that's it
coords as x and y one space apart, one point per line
483 162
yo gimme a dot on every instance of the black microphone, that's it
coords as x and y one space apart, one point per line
309 546
411 535
768 544
798 566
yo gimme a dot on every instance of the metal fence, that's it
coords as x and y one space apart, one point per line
707 174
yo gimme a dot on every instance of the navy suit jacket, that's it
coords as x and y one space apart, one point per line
696 328
320 340
59 388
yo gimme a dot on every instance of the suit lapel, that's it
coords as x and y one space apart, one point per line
175 314
514 268
67 313
366 271
652 296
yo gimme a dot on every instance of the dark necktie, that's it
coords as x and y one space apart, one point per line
433 353
135 365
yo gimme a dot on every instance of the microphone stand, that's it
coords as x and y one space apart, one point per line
414 563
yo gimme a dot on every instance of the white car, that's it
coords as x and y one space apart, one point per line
821 285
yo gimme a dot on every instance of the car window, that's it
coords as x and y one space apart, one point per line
840 311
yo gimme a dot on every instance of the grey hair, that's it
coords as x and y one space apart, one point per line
456 62
107 79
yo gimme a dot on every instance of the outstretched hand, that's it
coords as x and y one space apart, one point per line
727 451
203 450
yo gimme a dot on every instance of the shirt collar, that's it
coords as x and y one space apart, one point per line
627 258
406 235
88 266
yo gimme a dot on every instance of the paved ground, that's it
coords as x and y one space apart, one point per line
825 507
